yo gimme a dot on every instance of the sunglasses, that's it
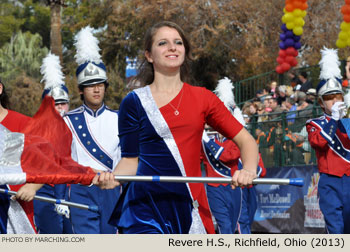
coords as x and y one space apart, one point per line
332 96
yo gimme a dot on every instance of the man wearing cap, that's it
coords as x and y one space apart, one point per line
95 138
327 135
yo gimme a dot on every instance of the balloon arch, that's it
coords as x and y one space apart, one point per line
292 29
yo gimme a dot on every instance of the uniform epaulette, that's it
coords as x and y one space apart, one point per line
112 110
321 118
75 111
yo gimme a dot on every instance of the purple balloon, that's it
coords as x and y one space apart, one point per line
289 34
282 36
282 45
296 38
297 45
289 42
284 28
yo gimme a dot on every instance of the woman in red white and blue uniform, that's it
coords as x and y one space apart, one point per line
160 130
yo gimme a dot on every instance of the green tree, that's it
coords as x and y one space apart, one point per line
23 53
230 38
10 23
20 62
36 15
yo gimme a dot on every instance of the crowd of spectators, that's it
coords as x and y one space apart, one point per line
277 117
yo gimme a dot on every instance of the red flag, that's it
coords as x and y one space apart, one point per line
41 154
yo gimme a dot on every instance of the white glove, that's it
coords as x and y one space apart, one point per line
205 137
62 210
338 110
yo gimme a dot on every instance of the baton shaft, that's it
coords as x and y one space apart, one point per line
179 179
50 200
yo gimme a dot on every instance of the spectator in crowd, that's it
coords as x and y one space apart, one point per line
289 91
261 113
294 80
281 94
305 82
304 111
293 148
302 137
260 137
291 107
262 93
311 96
275 108
346 77
273 88
246 119
246 108
267 104
302 102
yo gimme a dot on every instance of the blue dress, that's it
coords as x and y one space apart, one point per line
168 145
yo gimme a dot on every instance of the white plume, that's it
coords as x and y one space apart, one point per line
51 71
224 90
237 113
87 46
329 64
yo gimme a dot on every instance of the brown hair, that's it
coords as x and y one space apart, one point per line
146 71
4 98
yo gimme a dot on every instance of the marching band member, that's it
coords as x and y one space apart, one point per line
161 127
53 218
221 158
328 137
95 137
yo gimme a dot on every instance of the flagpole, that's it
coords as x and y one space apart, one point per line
180 179
92 208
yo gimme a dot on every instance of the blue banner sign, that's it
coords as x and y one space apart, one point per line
289 209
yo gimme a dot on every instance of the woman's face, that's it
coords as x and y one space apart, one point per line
252 109
168 51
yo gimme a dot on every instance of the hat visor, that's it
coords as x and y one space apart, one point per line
92 82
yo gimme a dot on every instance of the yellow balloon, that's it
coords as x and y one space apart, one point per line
298 30
284 10
297 13
288 17
290 25
303 13
348 42
341 43
284 20
299 22
344 26
343 35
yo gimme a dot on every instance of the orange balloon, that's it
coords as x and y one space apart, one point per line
347 18
297 5
289 7
304 6
347 1
345 9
